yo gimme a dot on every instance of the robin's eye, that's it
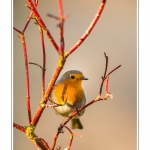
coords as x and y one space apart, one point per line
72 76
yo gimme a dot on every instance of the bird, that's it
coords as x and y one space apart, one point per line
70 96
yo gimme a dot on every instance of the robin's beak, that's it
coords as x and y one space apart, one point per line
85 78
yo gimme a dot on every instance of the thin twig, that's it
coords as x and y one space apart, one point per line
54 141
17 30
103 78
52 16
37 65
71 138
44 61
28 21
113 70
106 65
19 127
61 31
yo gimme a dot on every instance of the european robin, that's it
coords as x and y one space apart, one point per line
68 93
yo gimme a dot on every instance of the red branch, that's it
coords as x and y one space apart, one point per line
61 26
106 65
113 70
29 18
54 141
42 24
41 143
56 136
17 30
44 61
71 137
21 128
106 85
27 78
88 31
103 78
36 2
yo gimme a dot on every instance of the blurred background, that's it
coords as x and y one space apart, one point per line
108 125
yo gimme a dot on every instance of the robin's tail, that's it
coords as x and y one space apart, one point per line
76 123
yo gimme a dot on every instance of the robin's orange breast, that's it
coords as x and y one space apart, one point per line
72 93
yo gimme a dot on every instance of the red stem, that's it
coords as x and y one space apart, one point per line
113 70
36 2
42 144
60 8
61 25
103 78
44 62
71 137
106 65
88 31
41 23
27 78
29 18
55 139
21 128
106 87
17 30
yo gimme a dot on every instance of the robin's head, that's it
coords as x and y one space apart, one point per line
72 76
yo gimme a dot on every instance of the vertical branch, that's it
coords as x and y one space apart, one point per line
44 61
54 141
106 85
61 26
27 78
71 138
106 65
103 78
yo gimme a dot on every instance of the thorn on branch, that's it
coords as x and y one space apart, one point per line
59 19
28 6
53 16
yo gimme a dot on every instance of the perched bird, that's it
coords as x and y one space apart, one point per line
68 93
